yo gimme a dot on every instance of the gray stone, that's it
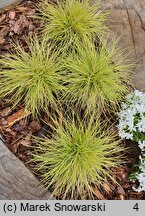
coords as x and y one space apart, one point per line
8 3
16 181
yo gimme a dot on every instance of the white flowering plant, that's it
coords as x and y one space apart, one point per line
132 126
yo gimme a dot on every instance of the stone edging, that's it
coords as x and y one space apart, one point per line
4 4
16 181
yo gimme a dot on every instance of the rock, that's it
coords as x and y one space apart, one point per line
16 181
7 3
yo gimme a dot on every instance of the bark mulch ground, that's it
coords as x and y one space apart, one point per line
15 25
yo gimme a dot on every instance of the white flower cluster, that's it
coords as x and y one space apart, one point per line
132 115
132 126
140 176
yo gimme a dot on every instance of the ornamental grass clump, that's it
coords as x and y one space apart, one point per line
96 78
70 21
31 77
77 157
132 126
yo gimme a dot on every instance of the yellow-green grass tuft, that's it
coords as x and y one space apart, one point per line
31 77
76 158
96 78
70 21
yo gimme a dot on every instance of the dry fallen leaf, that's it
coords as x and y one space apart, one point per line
12 15
121 173
18 26
35 126
30 13
17 117
3 122
23 122
2 18
98 194
2 40
5 112
10 131
31 26
120 190
107 188
121 197
26 143
15 145
21 8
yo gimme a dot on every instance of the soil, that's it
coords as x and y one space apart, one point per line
15 24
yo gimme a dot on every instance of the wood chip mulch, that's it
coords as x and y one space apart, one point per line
15 25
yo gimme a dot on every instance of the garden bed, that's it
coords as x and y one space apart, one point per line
16 130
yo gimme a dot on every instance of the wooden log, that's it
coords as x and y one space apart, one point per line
127 19
8 3
16 181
